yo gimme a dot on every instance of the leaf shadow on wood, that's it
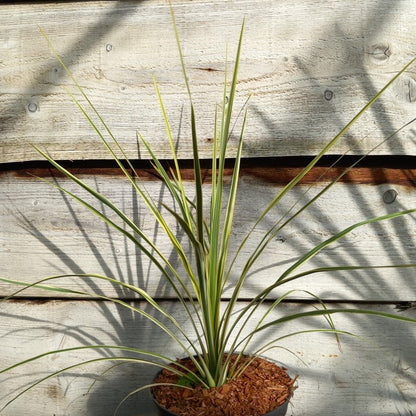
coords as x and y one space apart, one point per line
354 143
356 282
84 42
104 398
119 325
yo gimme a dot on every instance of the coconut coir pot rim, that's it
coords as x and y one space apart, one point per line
277 411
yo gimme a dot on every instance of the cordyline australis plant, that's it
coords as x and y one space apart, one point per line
207 228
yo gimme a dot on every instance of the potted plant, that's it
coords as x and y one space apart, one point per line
219 361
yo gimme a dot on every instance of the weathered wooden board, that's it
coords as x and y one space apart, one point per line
43 233
311 65
374 376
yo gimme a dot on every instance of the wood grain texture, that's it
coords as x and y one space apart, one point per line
310 64
374 376
44 233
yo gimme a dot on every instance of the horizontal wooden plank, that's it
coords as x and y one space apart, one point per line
311 66
44 233
374 375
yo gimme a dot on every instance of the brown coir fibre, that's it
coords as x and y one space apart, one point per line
262 387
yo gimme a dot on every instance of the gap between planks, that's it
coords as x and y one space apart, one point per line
375 170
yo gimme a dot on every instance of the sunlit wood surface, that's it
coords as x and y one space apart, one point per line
310 65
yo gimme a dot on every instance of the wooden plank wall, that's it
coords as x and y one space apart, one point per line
311 65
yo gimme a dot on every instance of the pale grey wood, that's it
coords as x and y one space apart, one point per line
310 64
43 233
373 376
